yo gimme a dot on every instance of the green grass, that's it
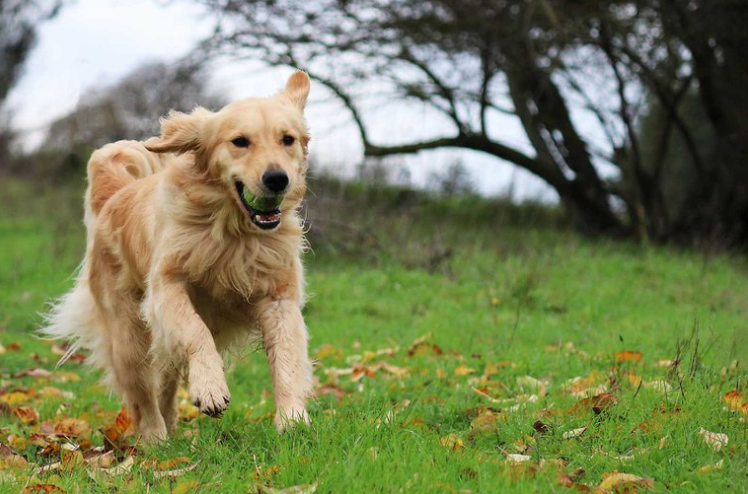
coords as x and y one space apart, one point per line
493 293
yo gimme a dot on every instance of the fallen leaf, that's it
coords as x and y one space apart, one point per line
122 468
585 386
529 383
734 400
714 439
453 442
176 472
714 467
27 415
326 350
514 458
634 379
188 412
72 427
622 482
485 422
33 372
541 427
424 348
186 486
331 389
13 347
123 423
628 356
101 460
15 397
296 489
575 432
42 489
598 404
463 370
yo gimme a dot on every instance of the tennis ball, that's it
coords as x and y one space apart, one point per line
262 203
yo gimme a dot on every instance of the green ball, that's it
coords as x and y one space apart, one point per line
262 203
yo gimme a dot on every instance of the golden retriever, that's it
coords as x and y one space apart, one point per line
194 246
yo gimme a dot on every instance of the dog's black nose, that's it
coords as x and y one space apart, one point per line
275 180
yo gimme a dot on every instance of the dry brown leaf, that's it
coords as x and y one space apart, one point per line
583 386
16 397
42 489
72 427
33 372
10 459
714 439
714 467
296 489
514 458
453 442
628 356
27 415
123 423
735 401
634 379
464 370
325 351
575 432
188 412
423 348
598 404
331 389
623 482
529 383
101 460
485 422
175 472
120 469
72 459
186 486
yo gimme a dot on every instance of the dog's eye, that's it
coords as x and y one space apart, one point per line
288 140
240 142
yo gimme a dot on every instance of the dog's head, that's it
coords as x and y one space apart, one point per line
255 148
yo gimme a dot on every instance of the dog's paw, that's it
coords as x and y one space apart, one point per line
287 419
153 433
209 393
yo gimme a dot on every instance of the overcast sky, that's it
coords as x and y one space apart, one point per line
96 42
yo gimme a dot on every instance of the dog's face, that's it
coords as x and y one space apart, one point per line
256 148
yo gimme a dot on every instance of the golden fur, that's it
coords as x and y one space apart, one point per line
176 273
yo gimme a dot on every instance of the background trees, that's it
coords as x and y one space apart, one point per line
129 109
659 80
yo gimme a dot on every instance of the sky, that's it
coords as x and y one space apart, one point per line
92 43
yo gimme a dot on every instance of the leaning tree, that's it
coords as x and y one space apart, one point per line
552 65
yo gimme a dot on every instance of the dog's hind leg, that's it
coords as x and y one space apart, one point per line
134 374
170 379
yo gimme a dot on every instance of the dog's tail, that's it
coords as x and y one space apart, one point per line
113 167
75 318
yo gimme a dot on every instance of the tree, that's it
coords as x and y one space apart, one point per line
19 20
548 63
129 109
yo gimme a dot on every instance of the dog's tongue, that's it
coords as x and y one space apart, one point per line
268 217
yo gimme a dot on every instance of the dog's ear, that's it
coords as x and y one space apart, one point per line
180 132
297 88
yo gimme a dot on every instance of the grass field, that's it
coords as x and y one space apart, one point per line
457 351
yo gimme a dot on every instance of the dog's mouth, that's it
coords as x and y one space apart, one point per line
264 211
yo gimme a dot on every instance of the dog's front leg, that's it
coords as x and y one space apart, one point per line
285 341
181 336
